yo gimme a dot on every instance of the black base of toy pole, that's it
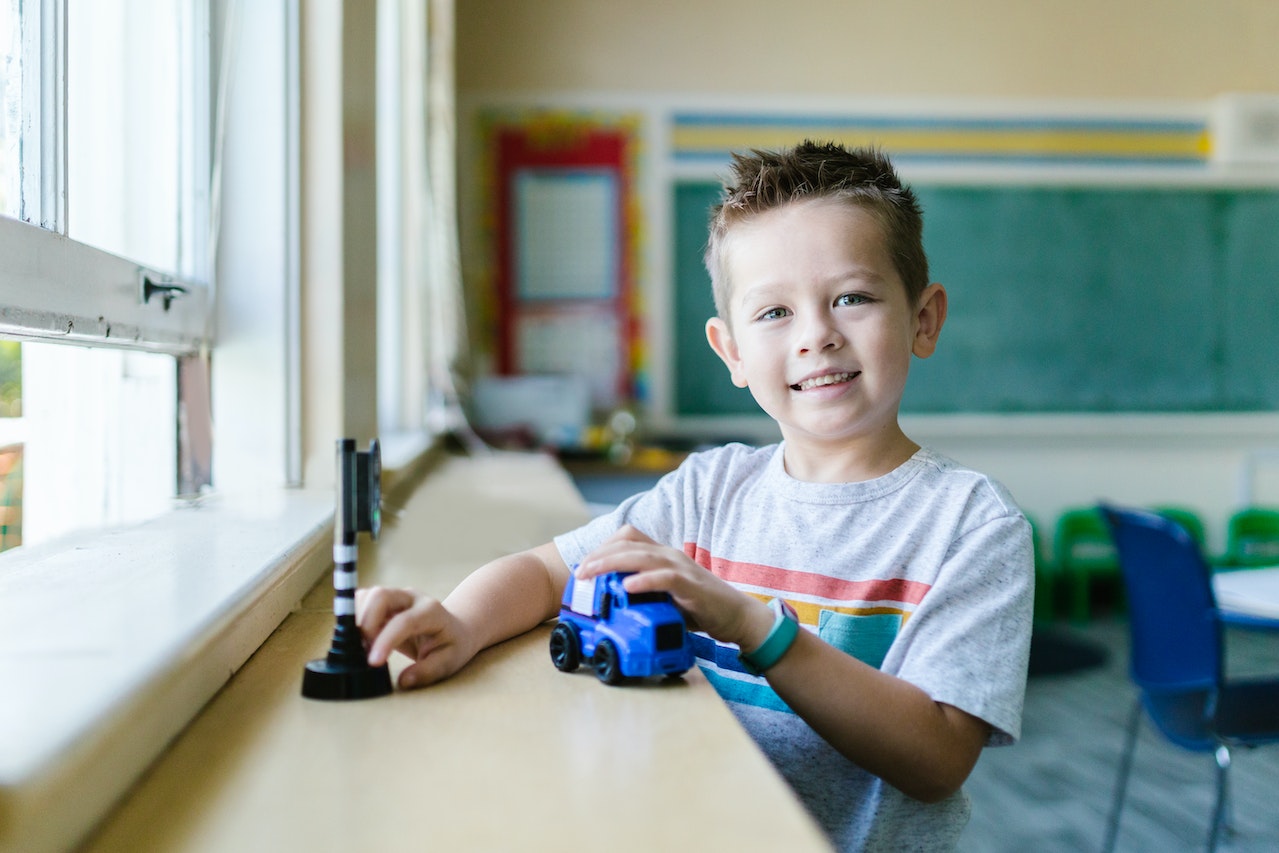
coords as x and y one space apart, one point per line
345 673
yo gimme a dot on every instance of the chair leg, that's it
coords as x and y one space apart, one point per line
1121 784
1079 597
1045 596
1221 813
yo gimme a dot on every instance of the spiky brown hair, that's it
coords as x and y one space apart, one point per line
765 180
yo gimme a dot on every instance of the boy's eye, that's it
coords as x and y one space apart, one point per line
850 299
773 314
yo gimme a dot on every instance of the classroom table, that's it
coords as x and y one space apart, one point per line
510 754
1248 597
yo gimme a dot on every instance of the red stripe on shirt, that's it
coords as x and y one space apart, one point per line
807 583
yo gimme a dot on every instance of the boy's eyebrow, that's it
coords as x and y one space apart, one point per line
769 290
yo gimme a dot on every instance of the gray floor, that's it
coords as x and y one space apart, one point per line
1052 791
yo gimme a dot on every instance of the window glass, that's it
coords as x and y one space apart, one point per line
127 98
11 444
89 434
87 439
10 105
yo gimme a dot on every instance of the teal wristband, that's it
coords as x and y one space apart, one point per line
777 643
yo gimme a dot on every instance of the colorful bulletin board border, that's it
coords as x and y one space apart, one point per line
1015 141
585 143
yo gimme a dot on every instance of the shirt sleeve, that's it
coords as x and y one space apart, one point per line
968 643
656 513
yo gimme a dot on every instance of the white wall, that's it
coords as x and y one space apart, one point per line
1202 462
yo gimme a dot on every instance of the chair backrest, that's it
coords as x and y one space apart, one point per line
1175 632
1187 518
1252 537
1082 541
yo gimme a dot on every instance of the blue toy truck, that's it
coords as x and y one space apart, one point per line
622 635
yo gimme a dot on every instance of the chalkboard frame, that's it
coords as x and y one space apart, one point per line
1064 299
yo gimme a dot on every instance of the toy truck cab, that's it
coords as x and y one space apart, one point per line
621 634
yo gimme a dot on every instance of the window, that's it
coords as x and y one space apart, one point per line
136 108
10 105
103 140
117 638
195 590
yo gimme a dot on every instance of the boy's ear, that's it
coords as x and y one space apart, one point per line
721 340
929 319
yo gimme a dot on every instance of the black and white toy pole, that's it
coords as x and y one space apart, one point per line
345 673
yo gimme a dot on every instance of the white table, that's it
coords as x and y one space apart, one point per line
1248 596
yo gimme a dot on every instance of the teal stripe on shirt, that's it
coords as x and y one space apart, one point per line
755 693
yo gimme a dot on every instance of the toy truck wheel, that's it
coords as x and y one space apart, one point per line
566 651
607 666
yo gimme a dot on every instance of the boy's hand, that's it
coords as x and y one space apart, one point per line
415 625
708 603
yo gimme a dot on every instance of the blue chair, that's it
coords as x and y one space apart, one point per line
1176 640
1187 518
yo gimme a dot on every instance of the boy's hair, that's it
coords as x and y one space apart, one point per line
765 180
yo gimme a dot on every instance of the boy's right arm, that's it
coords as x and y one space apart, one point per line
500 600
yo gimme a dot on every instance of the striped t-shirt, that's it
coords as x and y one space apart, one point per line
925 573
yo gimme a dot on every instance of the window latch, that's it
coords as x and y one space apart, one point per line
167 291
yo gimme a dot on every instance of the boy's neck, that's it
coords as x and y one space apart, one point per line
851 460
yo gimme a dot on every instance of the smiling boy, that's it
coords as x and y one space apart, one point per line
894 640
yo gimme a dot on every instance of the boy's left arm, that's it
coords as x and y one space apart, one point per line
882 723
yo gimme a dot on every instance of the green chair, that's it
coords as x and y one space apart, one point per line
1084 552
1252 538
1045 577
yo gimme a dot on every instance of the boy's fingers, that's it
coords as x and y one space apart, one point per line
428 670
655 580
412 630
373 606
622 556
389 636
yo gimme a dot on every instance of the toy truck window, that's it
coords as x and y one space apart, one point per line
646 597
583 597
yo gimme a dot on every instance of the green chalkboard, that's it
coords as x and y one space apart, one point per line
1062 299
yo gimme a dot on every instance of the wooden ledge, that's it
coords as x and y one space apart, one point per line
509 754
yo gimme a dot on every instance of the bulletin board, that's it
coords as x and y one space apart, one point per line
1062 299
565 239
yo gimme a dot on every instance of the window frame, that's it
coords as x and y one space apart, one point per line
208 582
262 538
54 288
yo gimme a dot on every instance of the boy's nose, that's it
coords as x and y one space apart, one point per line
820 334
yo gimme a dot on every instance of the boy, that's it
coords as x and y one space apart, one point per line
910 575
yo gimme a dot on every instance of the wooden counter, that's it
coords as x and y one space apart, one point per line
510 754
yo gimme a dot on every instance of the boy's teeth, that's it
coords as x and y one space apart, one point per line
828 379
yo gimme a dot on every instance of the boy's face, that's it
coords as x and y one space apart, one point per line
820 329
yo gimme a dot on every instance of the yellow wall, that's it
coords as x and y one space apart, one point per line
1005 48
633 53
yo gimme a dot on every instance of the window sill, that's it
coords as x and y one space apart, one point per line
111 642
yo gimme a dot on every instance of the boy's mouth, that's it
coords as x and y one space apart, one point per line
825 379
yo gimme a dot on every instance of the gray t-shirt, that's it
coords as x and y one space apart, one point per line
926 573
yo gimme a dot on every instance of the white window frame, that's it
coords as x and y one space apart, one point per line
57 289
139 626
198 590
